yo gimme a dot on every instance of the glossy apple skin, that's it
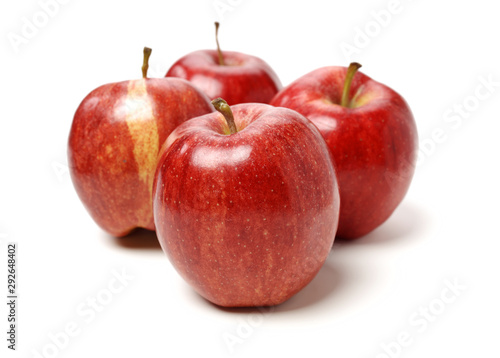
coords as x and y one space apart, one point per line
114 141
374 144
247 219
244 78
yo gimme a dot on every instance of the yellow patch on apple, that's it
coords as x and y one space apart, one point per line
143 130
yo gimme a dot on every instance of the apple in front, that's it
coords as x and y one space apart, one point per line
116 135
372 135
246 203
234 76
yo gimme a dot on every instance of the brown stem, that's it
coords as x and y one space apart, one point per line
145 64
221 58
222 107
351 71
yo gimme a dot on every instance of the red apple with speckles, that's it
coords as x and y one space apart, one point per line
116 135
246 207
372 135
234 76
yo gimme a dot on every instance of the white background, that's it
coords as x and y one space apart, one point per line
369 291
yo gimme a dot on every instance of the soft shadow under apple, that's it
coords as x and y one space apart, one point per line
139 239
404 223
325 284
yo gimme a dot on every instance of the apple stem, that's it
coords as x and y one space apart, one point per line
221 58
351 71
222 107
145 64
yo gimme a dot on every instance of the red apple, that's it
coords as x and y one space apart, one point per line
234 76
116 135
246 208
372 135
